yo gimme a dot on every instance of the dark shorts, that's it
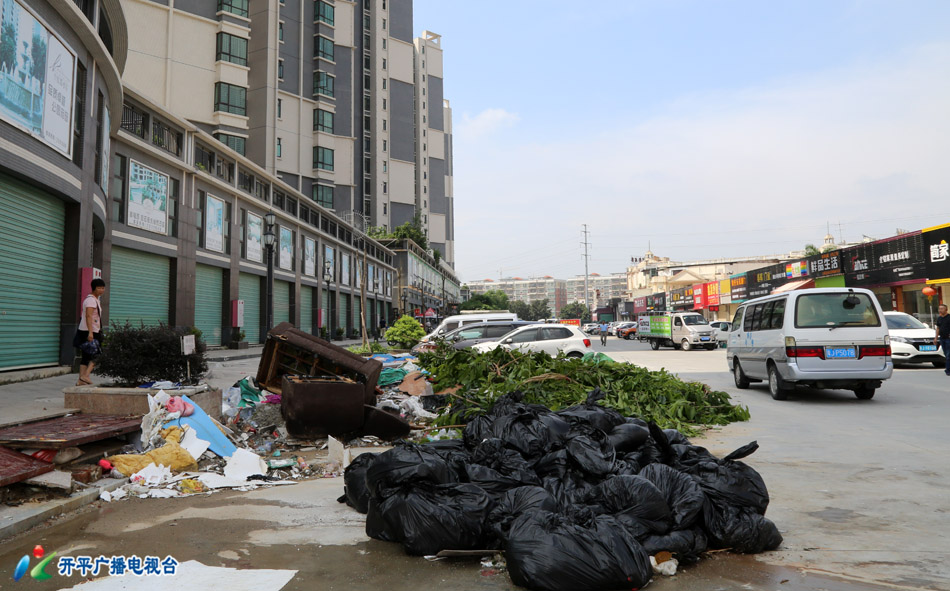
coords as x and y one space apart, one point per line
81 337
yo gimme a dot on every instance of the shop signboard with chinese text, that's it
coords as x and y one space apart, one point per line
892 261
699 297
712 293
739 287
763 281
936 244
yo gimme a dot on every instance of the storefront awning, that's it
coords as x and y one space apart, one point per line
793 285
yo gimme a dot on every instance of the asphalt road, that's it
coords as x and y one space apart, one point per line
859 491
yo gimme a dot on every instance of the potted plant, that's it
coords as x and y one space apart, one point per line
237 340
339 332
324 333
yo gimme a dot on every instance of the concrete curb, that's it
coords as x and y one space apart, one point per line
28 375
16 520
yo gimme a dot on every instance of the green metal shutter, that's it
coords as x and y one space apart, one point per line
343 314
325 306
209 303
306 308
281 302
250 292
357 307
31 283
138 288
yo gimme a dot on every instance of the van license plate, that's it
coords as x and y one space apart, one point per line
704 338
839 352
928 347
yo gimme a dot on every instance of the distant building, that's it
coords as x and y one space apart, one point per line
603 289
526 290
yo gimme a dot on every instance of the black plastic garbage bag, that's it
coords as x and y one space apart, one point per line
517 502
553 464
355 491
647 454
593 414
428 519
732 482
675 437
740 528
686 544
476 431
453 451
628 437
407 464
550 552
634 501
494 482
683 495
523 431
590 452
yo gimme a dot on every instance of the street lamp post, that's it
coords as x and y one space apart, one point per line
269 239
328 276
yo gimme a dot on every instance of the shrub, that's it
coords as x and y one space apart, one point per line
405 333
372 348
135 355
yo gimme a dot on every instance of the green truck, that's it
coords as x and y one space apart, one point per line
680 330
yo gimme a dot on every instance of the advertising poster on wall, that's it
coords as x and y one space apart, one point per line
309 257
148 198
255 232
106 148
345 269
286 249
214 224
328 258
37 72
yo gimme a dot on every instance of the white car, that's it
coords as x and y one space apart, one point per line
549 338
912 341
723 328
590 328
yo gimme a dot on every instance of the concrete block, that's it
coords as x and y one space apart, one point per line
58 479
134 401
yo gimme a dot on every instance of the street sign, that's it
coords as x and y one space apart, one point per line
188 344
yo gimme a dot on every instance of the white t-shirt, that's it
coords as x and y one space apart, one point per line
91 301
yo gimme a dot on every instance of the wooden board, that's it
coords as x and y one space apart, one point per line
16 467
68 431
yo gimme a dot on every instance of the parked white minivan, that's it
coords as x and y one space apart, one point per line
829 338
452 322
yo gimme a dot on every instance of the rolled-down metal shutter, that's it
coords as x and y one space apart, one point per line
209 303
281 302
138 288
250 292
306 308
357 307
31 281
343 315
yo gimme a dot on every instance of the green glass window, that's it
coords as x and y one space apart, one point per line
230 98
323 84
324 12
238 7
232 49
323 195
322 120
236 143
324 48
323 158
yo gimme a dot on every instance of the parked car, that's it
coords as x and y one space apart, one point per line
453 322
621 326
832 338
723 329
590 328
628 332
549 338
472 334
912 341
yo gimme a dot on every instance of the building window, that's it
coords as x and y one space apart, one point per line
232 49
323 84
322 158
385 187
280 31
324 48
384 24
323 195
236 143
79 108
230 98
174 187
280 107
280 69
278 148
384 84
324 12
384 63
238 7
384 43
384 145
119 189
384 104
323 120
384 125
385 166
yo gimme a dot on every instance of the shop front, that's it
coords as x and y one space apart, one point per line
681 299
762 282
726 308
699 297
935 243
657 302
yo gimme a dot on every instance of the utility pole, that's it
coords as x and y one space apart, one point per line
586 244
363 297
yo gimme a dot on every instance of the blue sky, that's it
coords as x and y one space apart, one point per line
705 129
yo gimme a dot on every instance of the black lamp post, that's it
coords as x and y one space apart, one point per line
328 277
269 239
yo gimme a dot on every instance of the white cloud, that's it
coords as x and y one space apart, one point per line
485 123
752 171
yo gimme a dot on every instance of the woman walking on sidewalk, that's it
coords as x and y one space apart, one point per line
90 331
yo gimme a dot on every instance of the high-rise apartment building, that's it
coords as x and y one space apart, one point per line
526 290
337 98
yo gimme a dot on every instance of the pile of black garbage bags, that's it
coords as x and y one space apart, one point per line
577 499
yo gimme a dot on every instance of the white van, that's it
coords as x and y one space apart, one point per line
829 338
452 322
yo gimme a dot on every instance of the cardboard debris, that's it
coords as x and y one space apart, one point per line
193 445
243 464
415 384
336 452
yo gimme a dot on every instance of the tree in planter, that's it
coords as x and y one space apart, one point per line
405 333
339 332
135 355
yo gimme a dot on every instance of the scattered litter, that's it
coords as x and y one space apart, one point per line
193 445
152 475
243 464
207 430
667 567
